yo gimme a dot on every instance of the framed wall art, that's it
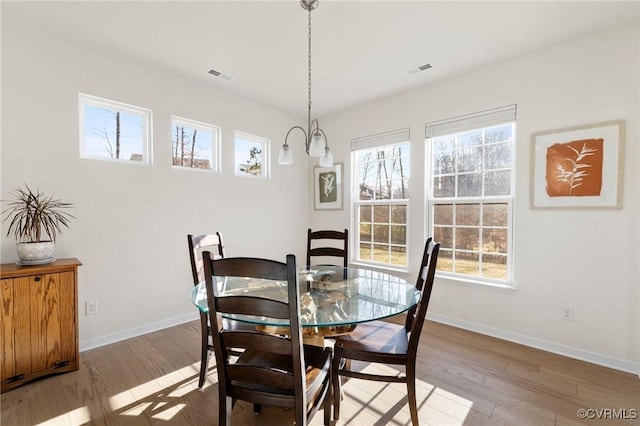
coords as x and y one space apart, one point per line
578 167
327 187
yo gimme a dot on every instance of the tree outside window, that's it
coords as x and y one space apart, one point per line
194 145
471 201
381 202
112 130
251 156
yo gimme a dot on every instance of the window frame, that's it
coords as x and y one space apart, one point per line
265 172
215 160
480 200
377 142
97 102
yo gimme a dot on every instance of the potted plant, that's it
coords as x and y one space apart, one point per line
35 221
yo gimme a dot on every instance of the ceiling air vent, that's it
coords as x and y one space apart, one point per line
219 75
419 69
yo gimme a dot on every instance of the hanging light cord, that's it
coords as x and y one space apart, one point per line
309 105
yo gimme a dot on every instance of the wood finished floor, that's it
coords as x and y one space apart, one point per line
464 379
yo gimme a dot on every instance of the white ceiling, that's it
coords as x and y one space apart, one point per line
362 50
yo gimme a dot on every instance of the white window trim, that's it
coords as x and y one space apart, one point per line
380 140
216 163
84 99
266 155
501 115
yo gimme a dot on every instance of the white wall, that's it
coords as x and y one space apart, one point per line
132 221
585 259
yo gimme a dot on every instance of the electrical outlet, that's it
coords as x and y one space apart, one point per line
567 314
91 307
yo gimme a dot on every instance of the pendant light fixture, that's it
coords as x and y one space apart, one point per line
315 140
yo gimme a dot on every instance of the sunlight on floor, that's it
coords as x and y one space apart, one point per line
137 410
365 402
155 396
388 401
78 416
169 412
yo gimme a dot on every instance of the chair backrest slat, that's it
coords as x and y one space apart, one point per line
251 267
256 340
326 251
261 376
249 305
339 250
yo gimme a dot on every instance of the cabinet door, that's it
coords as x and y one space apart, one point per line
52 319
15 336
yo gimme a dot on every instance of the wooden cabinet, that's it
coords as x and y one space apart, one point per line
39 321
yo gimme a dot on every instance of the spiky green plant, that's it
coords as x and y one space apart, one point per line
32 213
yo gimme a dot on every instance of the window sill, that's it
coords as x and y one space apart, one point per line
477 283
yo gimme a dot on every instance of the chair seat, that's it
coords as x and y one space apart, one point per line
376 338
318 361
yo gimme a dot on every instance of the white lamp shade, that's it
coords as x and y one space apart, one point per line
327 159
316 148
285 157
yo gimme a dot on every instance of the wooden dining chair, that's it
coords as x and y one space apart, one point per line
197 244
386 343
325 249
273 369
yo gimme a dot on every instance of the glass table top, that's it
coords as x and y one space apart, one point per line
329 296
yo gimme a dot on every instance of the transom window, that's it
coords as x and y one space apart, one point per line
471 193
251 156
111 130
381 198
194 145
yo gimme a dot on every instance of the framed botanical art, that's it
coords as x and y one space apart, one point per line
578 167
327 187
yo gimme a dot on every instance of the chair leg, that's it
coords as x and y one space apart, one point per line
204 349
337 389
225 411
411 395
328 402
230 404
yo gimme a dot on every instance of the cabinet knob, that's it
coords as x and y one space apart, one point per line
36 278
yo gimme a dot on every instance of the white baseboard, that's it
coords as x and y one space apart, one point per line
544 345
138 331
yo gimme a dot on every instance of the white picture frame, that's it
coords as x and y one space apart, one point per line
327 187
578 167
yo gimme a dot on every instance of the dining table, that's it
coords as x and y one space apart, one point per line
333 300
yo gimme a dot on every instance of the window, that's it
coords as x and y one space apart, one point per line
194 145
115 131
471 193
251 156
381 198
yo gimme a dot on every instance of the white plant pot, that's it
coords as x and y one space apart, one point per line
32 251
